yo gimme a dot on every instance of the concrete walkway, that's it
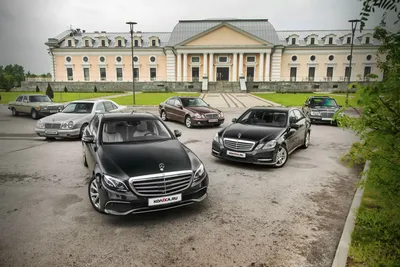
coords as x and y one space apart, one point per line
235 100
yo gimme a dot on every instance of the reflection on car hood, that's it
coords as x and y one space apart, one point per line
252 132
134 159
62 117
202 110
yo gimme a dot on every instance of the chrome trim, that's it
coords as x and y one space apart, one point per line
264 160
158 175
212 115
238 141
215 151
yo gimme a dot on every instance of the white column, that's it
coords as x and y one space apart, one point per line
185 65
211 69
179 75
205 65
234 72
267 64
261 68
276 65
241 64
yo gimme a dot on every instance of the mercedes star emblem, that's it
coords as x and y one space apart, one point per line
239 135
161 166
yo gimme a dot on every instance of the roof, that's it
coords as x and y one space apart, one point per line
137 115
187 29
272 108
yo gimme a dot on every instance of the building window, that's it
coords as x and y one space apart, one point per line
87 43
119 59
349 57
367 40
119 43
70 74
348 40
367 71
222 59
293 41
294 58
136 73
251 59
369 57
312 58
195 59
68 59
85 59
152 59
293 74
153 74
119 74
136 43
86 74
135 59
153 42
69 43
331 57
330 40
102 59
347 73
195 74
329 73
103 74
103 42
312 41
311 73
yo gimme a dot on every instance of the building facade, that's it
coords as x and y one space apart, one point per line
214 50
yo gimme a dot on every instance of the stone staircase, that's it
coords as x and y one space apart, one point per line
224 87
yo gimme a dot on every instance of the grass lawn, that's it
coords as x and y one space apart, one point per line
58 97
291 99
149 98
376 236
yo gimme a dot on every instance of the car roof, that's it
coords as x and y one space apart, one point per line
321 96
273 108
87 101
138 115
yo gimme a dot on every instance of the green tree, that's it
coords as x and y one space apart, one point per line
37 89
65 89
95 89
49 91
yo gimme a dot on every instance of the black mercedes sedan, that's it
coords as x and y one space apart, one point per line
321 109
263 135
139 165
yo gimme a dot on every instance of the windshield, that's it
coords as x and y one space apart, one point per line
193 102
324 102
270 118
78 108
39 98
134 130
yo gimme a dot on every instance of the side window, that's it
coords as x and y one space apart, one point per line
114 105
94 125
100 107
24 99
298 114
177 102
19 99
246 116
108 105
292 115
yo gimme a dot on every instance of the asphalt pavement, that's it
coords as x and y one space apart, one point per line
254 215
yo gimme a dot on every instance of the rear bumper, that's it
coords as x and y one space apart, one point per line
74 133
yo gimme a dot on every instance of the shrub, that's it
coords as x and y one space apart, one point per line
49 91
65 89
95 89
37 89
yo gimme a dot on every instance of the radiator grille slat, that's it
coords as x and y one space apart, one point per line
238 145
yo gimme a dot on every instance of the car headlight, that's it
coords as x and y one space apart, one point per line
221 115
197 116
114 184
199 173
40 124
217 138
268 145
70 124
315 113
38 107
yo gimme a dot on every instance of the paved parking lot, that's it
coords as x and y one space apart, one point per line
254 215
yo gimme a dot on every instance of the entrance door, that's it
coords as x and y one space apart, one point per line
250 73
195 74
222 74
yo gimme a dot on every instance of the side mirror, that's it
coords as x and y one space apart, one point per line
234 120
88 138
179 106
177 133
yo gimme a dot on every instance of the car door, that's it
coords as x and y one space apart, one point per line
292 135
302 127
90 147
180 113
17 104
25 108
169 108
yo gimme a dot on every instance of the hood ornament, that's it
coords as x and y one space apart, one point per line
239 135
161 166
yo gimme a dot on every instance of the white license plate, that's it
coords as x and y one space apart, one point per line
53 111
213 120
51 132
326 119
165 200
236 154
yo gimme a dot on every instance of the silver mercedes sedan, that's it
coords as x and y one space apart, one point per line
71 122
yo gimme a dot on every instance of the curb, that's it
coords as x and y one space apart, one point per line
264 100
342 250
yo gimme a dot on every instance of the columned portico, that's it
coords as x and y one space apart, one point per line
179 67
261 68
211 71
185 65
234 66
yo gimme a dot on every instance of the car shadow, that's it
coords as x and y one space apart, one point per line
243 166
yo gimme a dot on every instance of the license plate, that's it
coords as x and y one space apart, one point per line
165 200
236 154
53 111
326 119
51 132
213 120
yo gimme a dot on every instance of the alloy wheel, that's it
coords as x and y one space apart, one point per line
94 194
281 156
13 112
34 114
188 122
307 140
163 116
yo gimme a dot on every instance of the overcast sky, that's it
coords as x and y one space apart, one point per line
25 25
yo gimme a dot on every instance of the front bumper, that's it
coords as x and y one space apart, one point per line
72 133
259 157
205 122
116 203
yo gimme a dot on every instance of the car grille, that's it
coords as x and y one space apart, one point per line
52 125
54 107
327 114
238 145
211 115
161 184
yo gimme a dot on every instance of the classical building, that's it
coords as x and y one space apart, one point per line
214 50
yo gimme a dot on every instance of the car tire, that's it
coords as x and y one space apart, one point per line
81 131
306 140
94 195
163 115
50 138
34 114
188 121
283 156
14 112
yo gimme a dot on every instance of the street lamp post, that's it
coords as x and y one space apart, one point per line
131 24
353 29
